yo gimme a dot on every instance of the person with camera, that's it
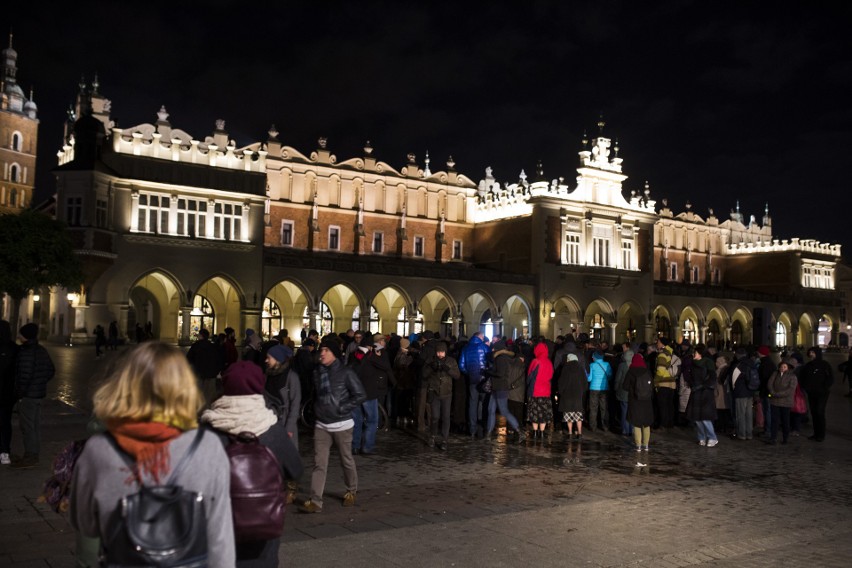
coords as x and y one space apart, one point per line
439 374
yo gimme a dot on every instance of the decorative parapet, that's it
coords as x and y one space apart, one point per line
145 140
778 245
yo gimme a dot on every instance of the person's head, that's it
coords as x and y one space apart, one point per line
441 350
314 334
358 336
763 351
278 355
243 378
154 383
378 341
403 344
783 367
309 344
814 353
350 333
625 346
203 334
29 332
329 352
699 352
230 333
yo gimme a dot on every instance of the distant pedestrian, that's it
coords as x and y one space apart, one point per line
33 370
539 377
439 375
572 385
782 390
600 373
701 407
8 354
816 379
640 402
112 339
100 340
207 361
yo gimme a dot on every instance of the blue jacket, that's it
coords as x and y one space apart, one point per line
474 358
599 373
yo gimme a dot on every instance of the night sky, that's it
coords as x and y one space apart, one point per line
710 101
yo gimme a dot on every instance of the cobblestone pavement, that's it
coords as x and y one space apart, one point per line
557 503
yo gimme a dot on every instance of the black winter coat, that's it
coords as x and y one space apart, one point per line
33 370
640 413
206 358
8 354
816 376
376 374
572 385
702 398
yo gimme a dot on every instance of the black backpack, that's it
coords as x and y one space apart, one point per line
644 387
258 497
753 378
160 525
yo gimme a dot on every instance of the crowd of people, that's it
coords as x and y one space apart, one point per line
156 402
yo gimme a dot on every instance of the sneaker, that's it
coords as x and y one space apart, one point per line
639 448
702 443
310 507
5 459
712 443
291 497
647 448
442 445
349 499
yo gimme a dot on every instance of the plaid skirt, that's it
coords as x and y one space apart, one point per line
540 410
572 416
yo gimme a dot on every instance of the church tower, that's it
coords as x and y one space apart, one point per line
18 138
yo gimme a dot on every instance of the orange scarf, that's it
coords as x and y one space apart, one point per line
148 443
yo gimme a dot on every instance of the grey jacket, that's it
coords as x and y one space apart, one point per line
99 483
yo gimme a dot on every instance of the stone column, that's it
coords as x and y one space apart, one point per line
612 340
134 211
251 318
185 330
313 318
650 333
675 333
702 337
498 327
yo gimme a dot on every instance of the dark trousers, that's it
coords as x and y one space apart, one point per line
817 401
665 402
440 409
780 417
5 428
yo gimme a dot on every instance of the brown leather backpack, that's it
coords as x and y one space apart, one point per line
258 497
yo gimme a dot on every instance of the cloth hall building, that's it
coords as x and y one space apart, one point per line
187 232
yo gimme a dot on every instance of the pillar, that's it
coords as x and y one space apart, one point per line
612 340
185 330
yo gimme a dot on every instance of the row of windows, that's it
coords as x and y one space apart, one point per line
601 247
695 275
11 198
378 243
17 141
817 277
15 174
192 217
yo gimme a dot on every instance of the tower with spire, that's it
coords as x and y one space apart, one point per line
19 136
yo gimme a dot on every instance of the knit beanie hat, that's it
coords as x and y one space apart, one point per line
243 378
280 353
332 346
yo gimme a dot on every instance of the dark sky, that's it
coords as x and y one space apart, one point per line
710 101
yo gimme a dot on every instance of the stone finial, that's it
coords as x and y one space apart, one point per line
162 115
323 142
95 84
585 139
368 149
688 205
615 148
273 132
601 124
412 159
710 212
451 163
220 124
647 190
665 201
426 171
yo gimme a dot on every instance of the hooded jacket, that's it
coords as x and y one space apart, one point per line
540 373
474 358
620 393
599 373
816 376
662 374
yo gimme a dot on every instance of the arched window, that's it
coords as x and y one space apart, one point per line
664 326
373 326
446 323
326 319
674 272
14 173
402 328
714 335
13 197
17 141
270 318
689 331
737 333
695 275
598 327
486 326
780 335
201 317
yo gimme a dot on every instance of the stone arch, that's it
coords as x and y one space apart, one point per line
389 301
156 297
597 318
631 321
227 300
517 317
689 323
342 298
474 306
292 298
434 305
663 320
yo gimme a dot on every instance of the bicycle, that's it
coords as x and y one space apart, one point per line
307 418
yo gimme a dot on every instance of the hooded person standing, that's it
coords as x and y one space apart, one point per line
701 407
816 378
282 384
539 376
572 388
640 401
502 373
33 370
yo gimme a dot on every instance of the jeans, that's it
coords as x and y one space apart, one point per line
502 403
597 400
323 441
29 416
744 417
767 414
366 418
705 430
780 417
474 406
626 427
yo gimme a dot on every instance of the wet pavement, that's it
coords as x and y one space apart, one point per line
500 503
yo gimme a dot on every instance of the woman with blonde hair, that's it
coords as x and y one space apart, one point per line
150 406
